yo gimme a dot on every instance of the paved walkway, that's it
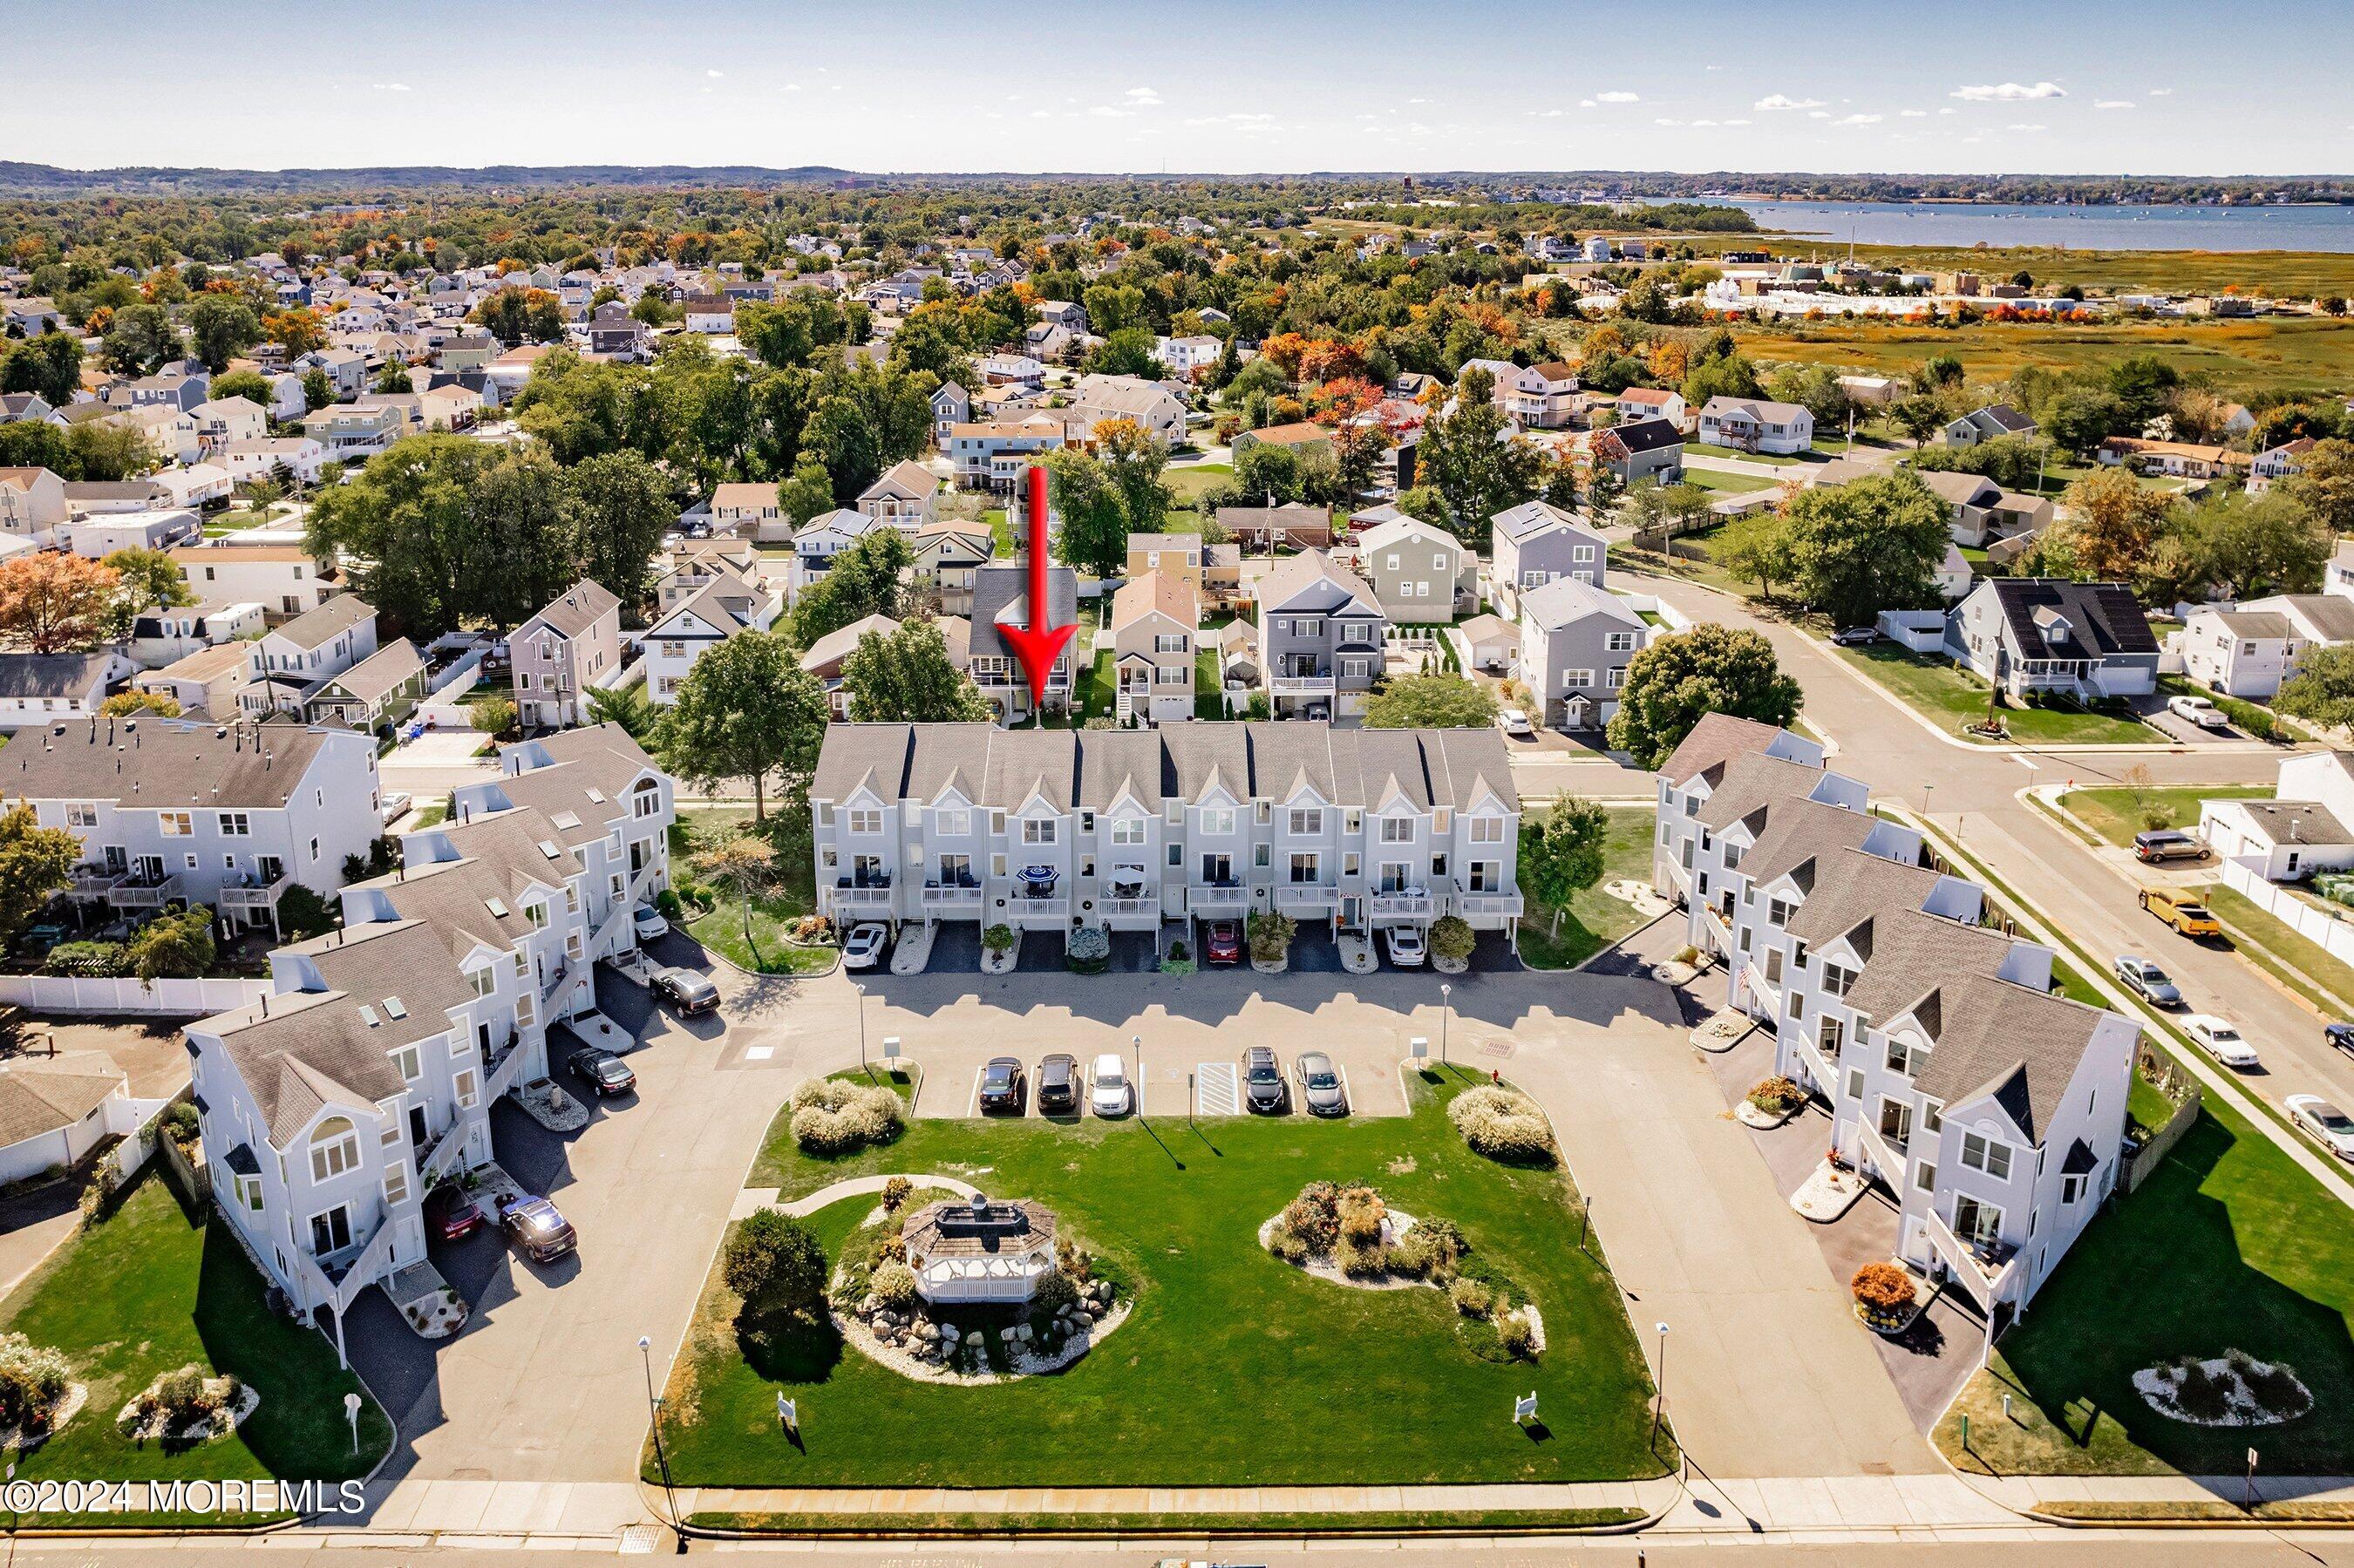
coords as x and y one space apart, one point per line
751 1200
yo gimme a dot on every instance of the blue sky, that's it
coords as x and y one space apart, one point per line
2095 86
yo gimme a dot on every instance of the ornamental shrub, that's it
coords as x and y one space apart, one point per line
32 1380
1882 1288
833 1116
1501 1125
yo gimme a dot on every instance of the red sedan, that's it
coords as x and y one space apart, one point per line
1222 942
452 1214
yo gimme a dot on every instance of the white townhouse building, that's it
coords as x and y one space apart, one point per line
293 661
683 633
226 816
1152 831
1992 1108
331 1109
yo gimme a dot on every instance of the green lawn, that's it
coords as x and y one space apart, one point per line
1728 483
2229 1246
2118 814
1951 697
1209 686
1234 1369
1098 688
1002 531
1188 483
1775 460
2305 966
1174 1522
1595 919
722 927
146 1292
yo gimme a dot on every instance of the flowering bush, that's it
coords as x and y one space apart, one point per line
833 1116
1501 1125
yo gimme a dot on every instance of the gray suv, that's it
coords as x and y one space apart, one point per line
1262 1080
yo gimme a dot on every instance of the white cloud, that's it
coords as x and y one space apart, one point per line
1585 103
2009 92
2027 128
1617 97
1818 114
714 75
391 86
1143 97
1783 100
2161 92
1110 112
1860 120
1237 117
1703 124
1548 114
791 86
1666 122
1421 100
1736 123
1949 112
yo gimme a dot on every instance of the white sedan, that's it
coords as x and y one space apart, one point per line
865 946
2330 1127
1515 721
1107 1089
2220 1040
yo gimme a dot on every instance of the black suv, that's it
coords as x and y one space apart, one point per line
1058 1086
1001 1084
1262 1079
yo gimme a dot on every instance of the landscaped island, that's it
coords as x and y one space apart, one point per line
1232 1367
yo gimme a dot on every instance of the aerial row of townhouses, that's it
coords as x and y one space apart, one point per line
1993 1108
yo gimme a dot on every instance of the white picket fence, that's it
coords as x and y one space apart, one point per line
1674 620
2335 934
170 998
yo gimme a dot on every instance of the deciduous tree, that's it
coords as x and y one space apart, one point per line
1561 852
1436 701
906 677
1676 681
35 862
1870 545
863 580
2115 521
53 603
747 711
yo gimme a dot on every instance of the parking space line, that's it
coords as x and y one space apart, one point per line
1217 1090
1348 1101
972 1104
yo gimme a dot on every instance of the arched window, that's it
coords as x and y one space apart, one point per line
334 1148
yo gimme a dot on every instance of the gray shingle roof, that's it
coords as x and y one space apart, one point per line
1714 742
159 763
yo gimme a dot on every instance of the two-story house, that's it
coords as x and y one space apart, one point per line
1174 555
951 407
1994 420
1322 635
993 454
291 659
286 581
1636 404
36 688
1050 829
818 541
162 635
683 632
1992 1110
1534 542
560 654
751 512
227 816
1756 425
1150 405
1418 573
32 505
1575 644
2087 640
907 497
948 553
1000 596
1156 627
226 419
2248 650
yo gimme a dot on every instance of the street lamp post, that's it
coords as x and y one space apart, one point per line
858 990
1445 1009
653 1419
1659 1410
1136 1044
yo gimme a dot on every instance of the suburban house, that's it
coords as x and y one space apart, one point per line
349 430
1575 644
1011 370
683 632
1636 404
227 816
818 541
226 419
947 552
1418 573
827 655
99 537
1155 626
205 682
1755 425
380 690
161 634
1647 449
1321 633
291 661
1302 436
1001 595
332 1106
1266 529
1150 405
563 653
55 1110
295 458
286 579
1535 397
1177 557
1188 356
689 565
2248 650
951 407
614 333
2308 826
1986 424
2086 640
907 497
37 687
1980 511
2178 459
32 504
1535 542
2272 465
749 511
993 454
1991 1108
1048 830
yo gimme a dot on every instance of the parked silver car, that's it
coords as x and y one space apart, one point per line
1319 1084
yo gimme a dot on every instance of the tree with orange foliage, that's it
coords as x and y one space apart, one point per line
1351 409
1286 351
1670 361
1331 359
52 603
298 331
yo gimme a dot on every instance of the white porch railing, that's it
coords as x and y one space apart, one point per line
860 897
1986 1284
1217 896
1301 685
1308 895
144 895
1489 903
951 899
1885 1155
1131 907
1038 908
1403 905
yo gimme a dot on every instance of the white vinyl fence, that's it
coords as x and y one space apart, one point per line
2335 934
166 998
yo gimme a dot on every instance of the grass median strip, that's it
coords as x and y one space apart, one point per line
2199 1510
1385 1521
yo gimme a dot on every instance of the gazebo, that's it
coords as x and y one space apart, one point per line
969 1250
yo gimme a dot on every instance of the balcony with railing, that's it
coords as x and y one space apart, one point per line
94 881
1886 1153
1488 902
1026 907
1988 1269
254 894
1307 897
947 897
1295 685
1403 903
144 890
1216 895
861 892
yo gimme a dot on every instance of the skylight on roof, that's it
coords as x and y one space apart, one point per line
368 1017
497 906
598 796
394 1008
547 847
567 819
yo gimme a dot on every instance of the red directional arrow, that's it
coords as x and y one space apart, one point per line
1037 645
